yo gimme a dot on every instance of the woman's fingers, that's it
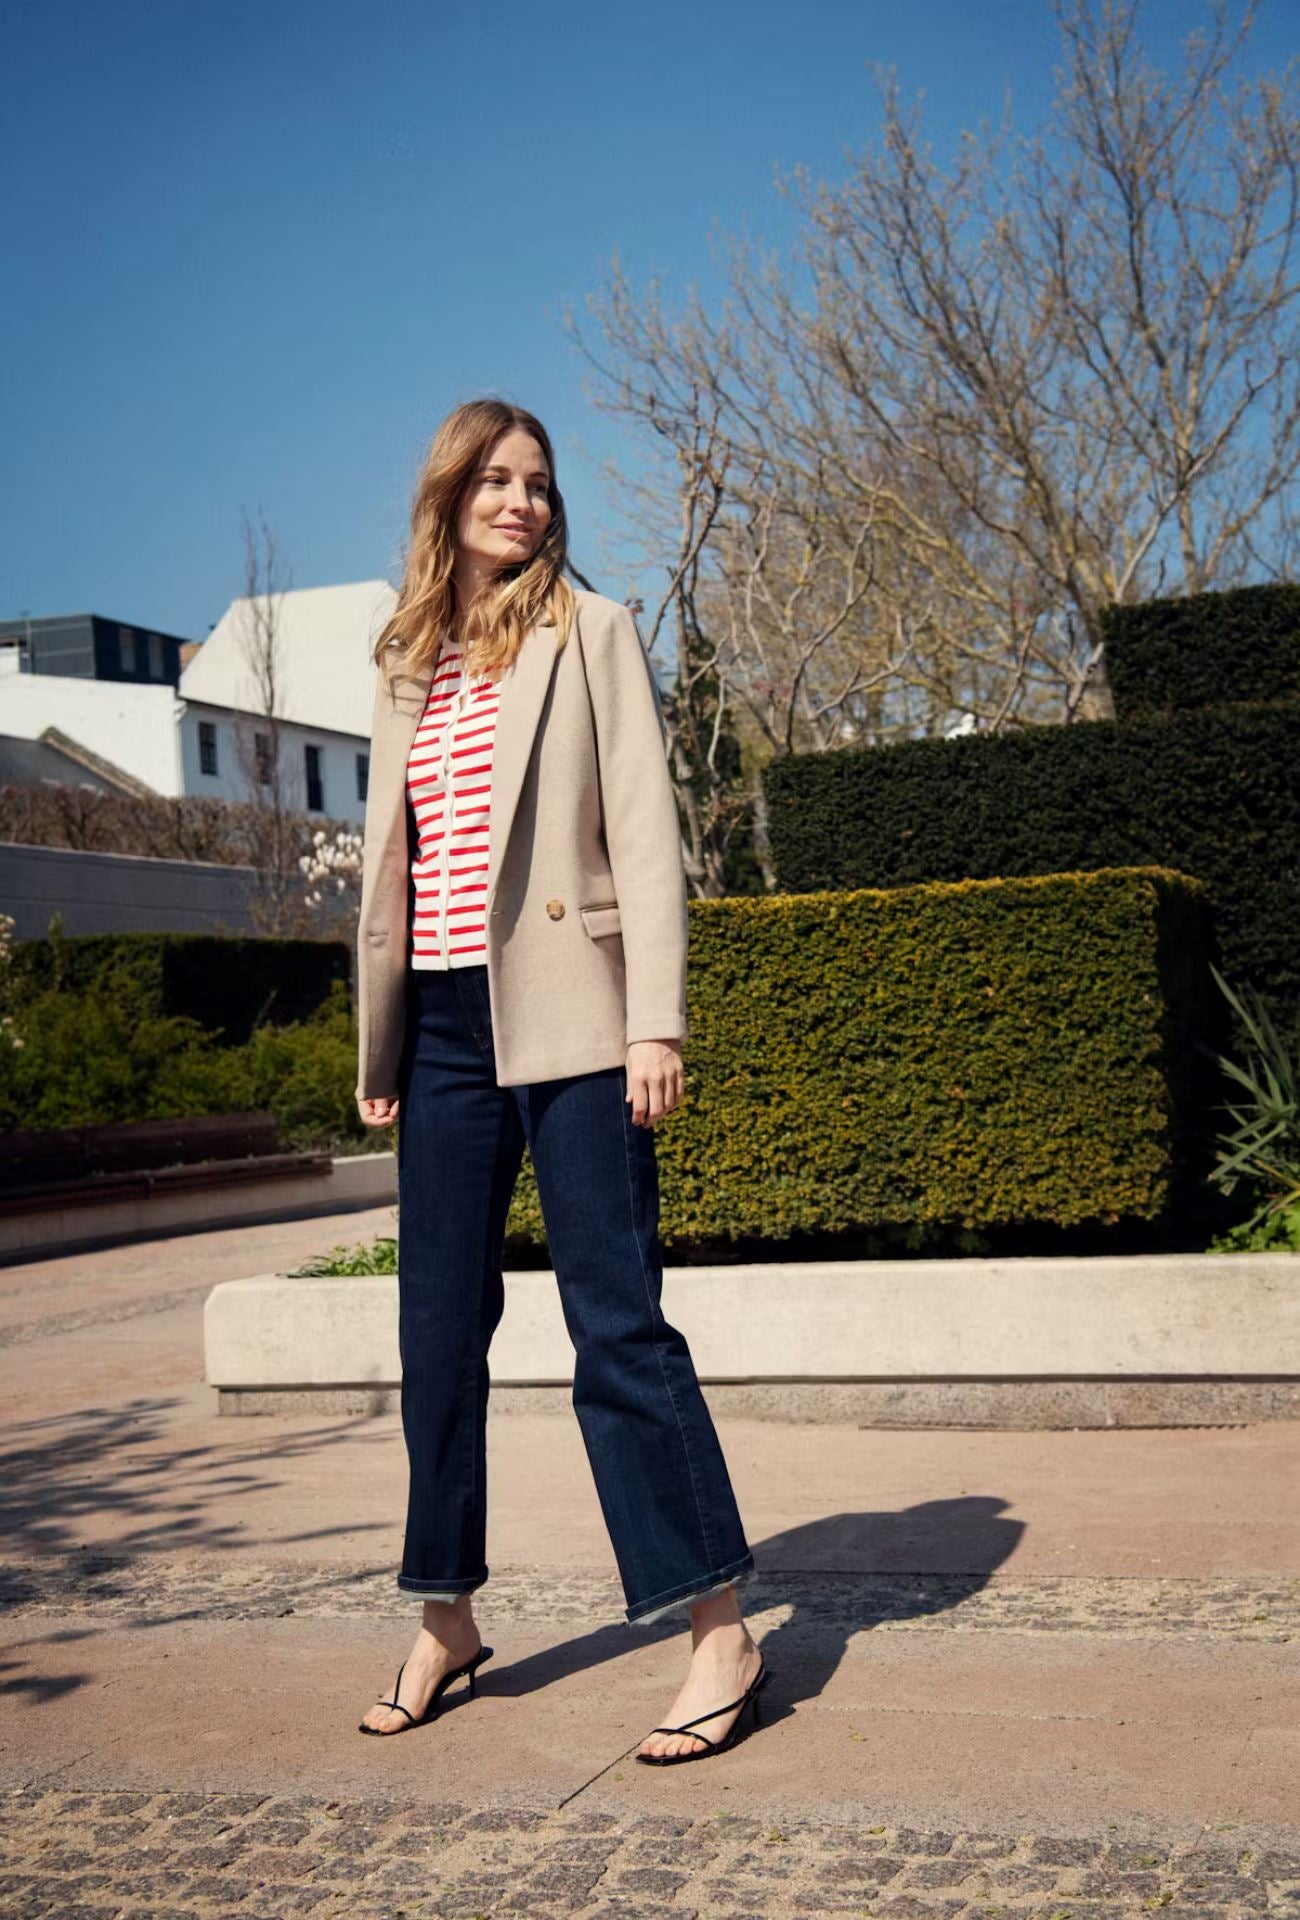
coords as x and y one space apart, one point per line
653 1092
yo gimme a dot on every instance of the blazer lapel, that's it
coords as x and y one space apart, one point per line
519 710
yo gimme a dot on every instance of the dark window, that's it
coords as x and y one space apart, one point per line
363 775
126 646
156 656
207 746
262 755
315 791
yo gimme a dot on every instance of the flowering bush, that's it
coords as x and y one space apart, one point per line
332 868
9 1034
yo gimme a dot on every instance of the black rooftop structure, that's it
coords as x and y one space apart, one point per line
87 646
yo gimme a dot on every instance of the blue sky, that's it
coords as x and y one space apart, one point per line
254 252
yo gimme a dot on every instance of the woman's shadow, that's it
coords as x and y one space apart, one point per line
839 1576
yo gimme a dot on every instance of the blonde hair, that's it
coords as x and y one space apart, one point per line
493 625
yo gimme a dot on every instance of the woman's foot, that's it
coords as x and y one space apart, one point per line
724 1663
447 1638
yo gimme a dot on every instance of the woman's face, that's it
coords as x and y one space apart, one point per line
506 508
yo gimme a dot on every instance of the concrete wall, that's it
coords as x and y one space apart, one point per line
353 1182
1125 1339
120 893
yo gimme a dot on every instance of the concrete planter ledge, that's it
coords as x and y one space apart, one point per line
1179 1339
352 1183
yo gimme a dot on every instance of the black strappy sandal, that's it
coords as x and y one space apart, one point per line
711 1747
470 1670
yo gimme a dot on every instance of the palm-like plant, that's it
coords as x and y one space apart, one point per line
1264 1145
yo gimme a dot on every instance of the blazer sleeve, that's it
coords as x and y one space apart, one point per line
642 832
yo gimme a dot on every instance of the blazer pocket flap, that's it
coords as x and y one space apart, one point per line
601 920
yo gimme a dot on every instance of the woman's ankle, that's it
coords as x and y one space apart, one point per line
450 1620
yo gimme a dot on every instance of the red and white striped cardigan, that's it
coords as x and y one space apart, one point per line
449 787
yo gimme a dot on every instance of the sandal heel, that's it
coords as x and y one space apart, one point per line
468 1671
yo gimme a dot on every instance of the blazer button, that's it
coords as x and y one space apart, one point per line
556 909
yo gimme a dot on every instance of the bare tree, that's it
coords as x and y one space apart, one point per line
978 404
275 816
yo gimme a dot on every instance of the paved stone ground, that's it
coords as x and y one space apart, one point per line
93 1855
145 1591
175 1579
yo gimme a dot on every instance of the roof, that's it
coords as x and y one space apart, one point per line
38 763
324 637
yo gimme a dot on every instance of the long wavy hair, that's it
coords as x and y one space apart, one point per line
530 593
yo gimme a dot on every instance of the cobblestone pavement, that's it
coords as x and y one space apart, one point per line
105 1855
149 1588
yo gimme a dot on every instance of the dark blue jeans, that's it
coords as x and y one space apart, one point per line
659 1471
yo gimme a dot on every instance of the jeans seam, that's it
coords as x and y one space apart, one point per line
706 1531
480 1395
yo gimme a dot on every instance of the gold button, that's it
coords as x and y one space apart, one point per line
556 909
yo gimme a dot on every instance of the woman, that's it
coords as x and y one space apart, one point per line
522 980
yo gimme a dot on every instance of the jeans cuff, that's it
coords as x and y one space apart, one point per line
438 1589
741 1573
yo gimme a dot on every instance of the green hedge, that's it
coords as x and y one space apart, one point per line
985 1055
1213 794
924 1063
1204 650
229 984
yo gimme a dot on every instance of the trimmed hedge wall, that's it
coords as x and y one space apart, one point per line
1214 794
983 1055
226 982
1206 649
915 1066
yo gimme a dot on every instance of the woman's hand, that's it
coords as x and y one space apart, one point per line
654 1079
378 1113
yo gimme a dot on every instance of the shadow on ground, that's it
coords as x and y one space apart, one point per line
837 1576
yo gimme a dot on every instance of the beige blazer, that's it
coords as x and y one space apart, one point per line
586 887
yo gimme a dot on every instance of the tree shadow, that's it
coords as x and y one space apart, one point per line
116 1463
838 1575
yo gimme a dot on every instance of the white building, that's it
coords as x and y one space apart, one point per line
204 739
325 681
133 727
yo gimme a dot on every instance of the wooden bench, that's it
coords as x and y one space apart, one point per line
81 1166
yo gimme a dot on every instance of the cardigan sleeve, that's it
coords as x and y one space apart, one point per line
642 831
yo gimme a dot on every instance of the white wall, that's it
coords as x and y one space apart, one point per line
338 762
133 726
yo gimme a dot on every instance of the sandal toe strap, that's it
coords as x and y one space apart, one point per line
687 1730
400 1708
714 1715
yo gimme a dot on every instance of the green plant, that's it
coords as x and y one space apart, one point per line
1278 1233
1264 1145
380 1256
